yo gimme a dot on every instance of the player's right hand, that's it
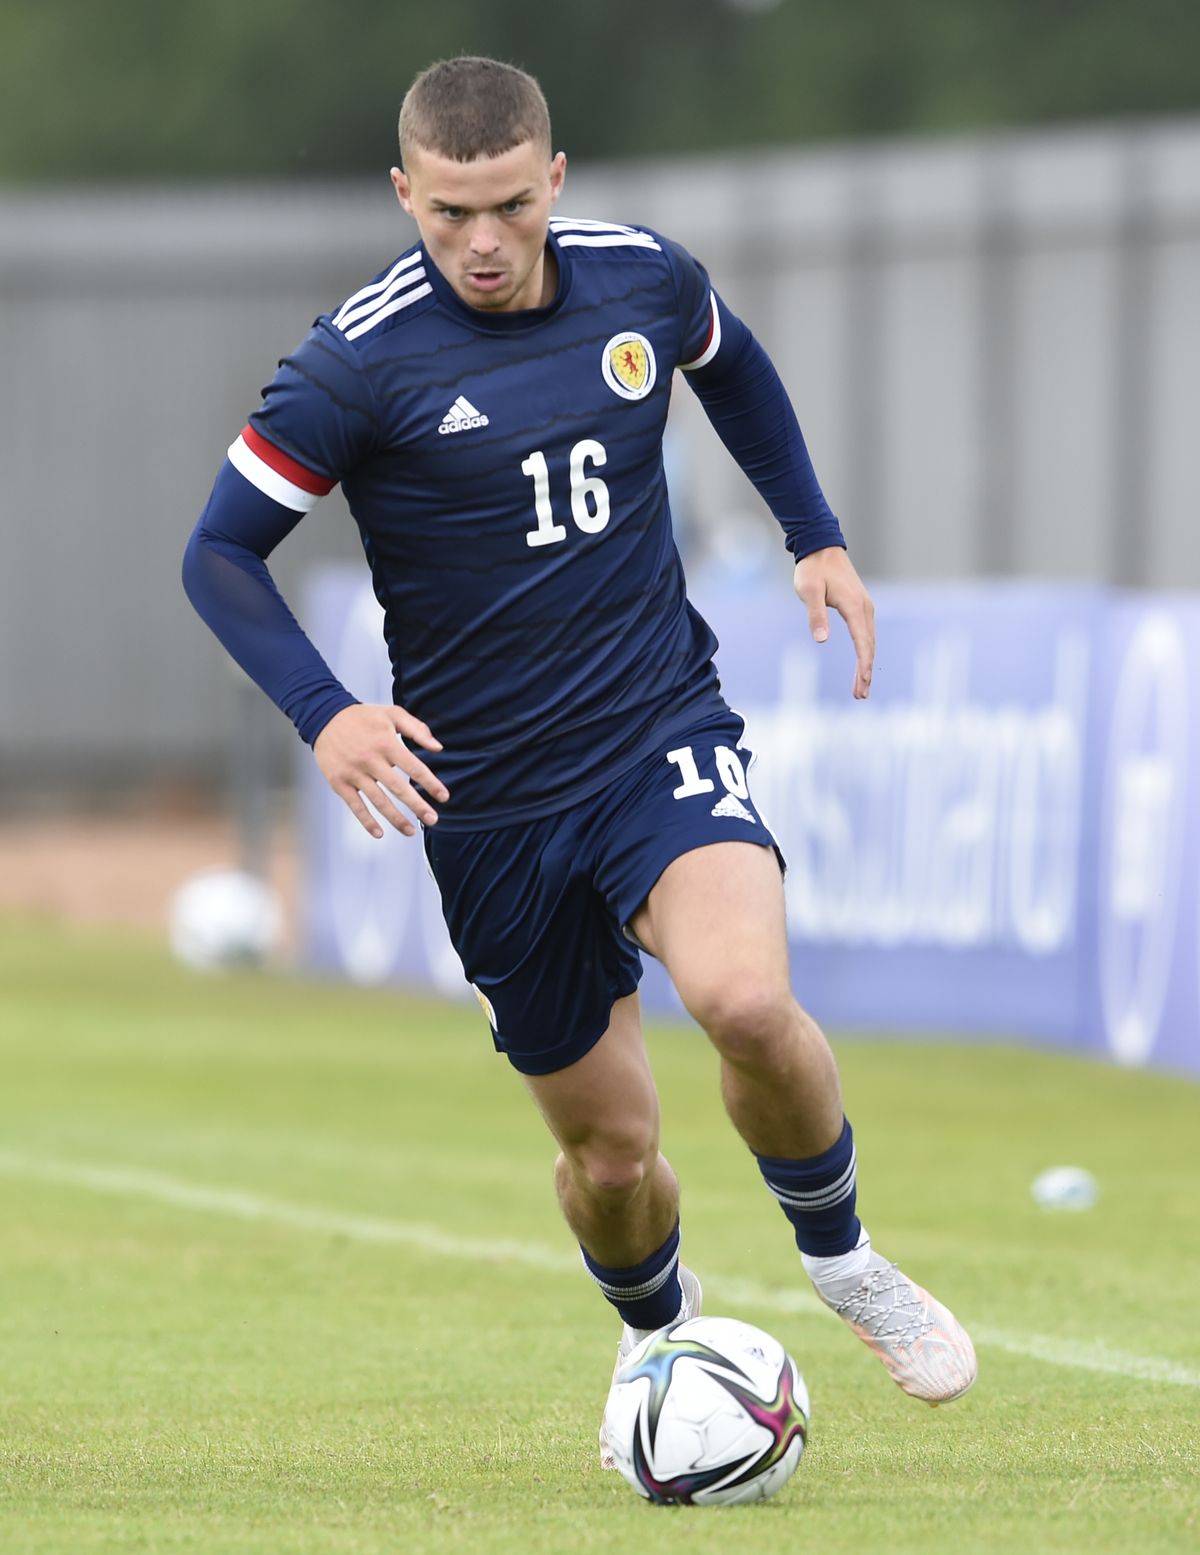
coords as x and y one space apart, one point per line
364 760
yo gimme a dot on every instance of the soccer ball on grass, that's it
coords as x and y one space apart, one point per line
709 1411
223 918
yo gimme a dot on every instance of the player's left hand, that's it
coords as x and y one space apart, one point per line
827 578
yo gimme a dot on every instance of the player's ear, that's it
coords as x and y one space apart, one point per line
403 189
558 172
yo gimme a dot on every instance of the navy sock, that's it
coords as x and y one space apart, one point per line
648 1295
818 1196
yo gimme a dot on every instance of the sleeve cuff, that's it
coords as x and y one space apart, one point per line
315 718
803 540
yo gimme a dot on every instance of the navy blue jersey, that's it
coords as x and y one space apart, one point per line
505 473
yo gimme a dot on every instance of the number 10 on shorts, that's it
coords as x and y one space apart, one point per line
729 770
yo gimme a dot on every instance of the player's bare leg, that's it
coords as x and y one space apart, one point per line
715 918
617 1192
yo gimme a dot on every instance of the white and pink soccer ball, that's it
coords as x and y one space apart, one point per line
709 1411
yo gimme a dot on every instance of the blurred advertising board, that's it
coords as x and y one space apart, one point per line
1000 841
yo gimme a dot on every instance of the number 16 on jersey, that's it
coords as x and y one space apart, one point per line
590 506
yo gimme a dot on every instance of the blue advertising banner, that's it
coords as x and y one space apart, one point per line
934 833
1143 989
998 842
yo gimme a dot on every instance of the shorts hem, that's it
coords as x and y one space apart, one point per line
667 854
550 1061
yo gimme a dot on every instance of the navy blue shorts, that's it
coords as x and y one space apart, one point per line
538 911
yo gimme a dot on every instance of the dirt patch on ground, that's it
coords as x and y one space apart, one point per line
124 869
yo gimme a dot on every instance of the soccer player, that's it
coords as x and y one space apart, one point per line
493 405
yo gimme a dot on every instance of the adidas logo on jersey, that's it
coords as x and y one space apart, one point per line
461 417
732 806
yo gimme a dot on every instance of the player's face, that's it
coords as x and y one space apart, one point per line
484 223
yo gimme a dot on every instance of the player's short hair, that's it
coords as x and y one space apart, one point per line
472 107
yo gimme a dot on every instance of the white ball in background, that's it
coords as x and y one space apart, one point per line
224 918
1065 1187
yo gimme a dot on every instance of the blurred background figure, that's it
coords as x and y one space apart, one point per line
971 233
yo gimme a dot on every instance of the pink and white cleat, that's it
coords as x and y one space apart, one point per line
923 1345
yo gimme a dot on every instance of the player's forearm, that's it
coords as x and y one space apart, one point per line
226 578
746 402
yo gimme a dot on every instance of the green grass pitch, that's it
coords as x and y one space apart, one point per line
282 1272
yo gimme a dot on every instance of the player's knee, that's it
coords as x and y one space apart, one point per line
612 1167
749 1024
614 1178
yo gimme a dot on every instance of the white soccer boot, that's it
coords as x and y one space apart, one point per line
632 1337
923 1345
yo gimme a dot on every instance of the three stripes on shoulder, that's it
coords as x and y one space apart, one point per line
403 285
599 234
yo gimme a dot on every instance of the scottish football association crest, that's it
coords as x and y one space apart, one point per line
628 365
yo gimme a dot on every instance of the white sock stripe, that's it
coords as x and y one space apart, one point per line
846 1176
813 1200
819 1198
636 1292
633 1292
810 1205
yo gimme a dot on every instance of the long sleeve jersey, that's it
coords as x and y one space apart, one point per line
505 472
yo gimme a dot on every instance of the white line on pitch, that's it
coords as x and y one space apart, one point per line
128 1182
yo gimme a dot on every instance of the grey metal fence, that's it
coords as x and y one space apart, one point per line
993 344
